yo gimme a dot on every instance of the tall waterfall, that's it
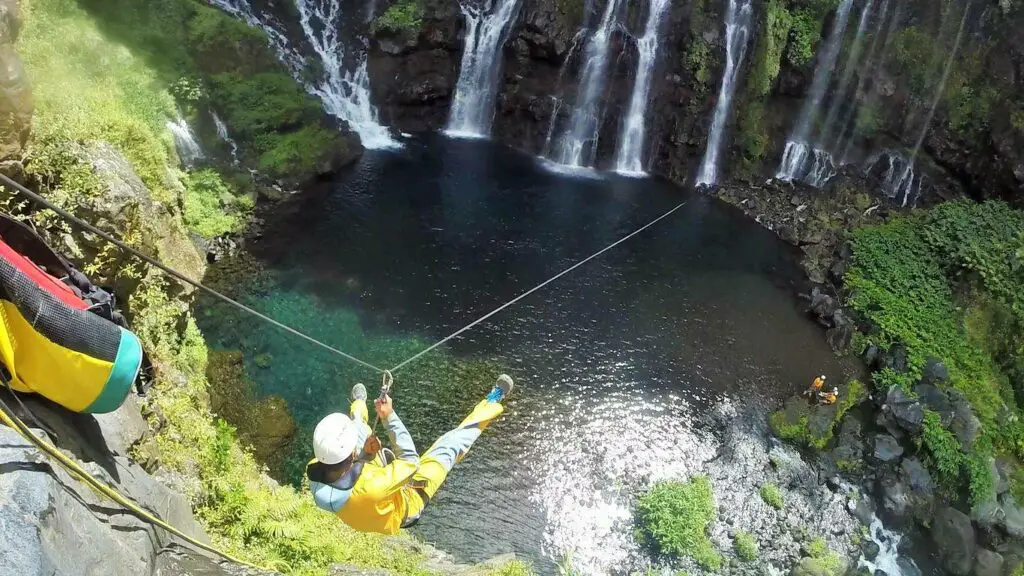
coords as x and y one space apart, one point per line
222 133
846 135
345 94
577 145
798 149
630 155
831 118
487 25
737 31
185 142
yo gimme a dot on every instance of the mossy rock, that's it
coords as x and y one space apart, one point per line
265 424
813 426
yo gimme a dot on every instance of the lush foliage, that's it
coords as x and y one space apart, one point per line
805 32
948 285
403 17
820 560
772 496
767 60
211 206
814 426
746 546
674 516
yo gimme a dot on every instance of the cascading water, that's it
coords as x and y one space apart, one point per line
866 71
222 133
185 142
832 117
737 31
798 148
577 146
629 157
487 25
345 94
888 561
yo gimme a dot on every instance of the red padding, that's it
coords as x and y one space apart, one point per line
52 285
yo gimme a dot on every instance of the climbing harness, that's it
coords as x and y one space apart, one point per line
8 417
4 180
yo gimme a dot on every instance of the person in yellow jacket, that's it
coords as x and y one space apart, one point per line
371 496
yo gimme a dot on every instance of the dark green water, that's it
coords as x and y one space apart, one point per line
619 365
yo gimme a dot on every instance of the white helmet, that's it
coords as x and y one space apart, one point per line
334 439
822 376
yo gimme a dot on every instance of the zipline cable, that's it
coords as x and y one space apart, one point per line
4 180
537 287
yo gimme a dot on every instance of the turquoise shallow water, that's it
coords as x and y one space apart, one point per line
619 364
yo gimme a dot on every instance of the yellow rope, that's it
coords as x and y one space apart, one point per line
75 470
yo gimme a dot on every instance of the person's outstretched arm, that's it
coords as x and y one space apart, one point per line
401 440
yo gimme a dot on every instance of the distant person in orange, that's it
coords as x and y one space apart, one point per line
815 390
829 397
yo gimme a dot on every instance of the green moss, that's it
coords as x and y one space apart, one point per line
403 17
804 35
1017 120
746 546
674 516
514 568
914 53
700 62
814 426
767 57
772 496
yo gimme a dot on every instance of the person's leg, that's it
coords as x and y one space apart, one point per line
357 410
453 446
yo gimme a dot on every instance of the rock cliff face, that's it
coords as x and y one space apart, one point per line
974 141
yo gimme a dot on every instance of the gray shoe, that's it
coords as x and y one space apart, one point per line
359 392
502 388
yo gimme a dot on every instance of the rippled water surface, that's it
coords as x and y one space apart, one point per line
619 365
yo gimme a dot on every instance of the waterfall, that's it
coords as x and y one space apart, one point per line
839 97
798 149
345 95
487 25
737 31
858 92
222 133
888 560
185 142
629 157
577 146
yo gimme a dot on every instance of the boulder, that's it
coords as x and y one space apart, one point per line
895 358
1012 516
954 540
15 102
126 204
123 428
936 401
179 561
906 411
935 372
840 336
870 549
965 425
917 477
53 524
887 448
988 563
907 567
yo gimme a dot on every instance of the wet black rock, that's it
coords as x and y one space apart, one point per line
906 411
870 549
935 372
954 540
908 491
895 358
887 448
936 401
907 567
965 425
871 356
988 563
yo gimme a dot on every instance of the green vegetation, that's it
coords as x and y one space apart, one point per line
571 11
674 516
804 35
772 496
746 546
947 284
820 560
403 17
767 61
212 207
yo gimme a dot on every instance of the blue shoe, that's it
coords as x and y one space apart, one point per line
502 388
359 392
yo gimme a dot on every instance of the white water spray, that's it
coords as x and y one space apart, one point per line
798 149
222 133
487 26
345 94
737 32
577 146
185 142
888 559
630 155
